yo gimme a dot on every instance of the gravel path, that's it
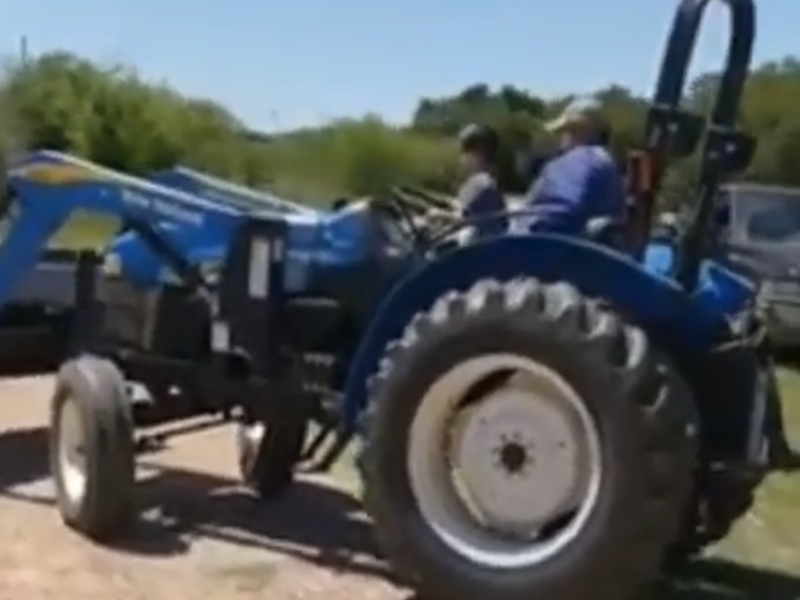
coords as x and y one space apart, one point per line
200 536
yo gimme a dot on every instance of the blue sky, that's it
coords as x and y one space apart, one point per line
281 64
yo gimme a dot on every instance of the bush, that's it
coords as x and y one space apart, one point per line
358 157
108 114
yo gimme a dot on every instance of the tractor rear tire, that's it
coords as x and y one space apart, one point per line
643 417
92 449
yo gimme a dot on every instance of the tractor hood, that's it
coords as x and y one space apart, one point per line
322 239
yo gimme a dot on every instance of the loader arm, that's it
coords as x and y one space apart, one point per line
238 196
48 187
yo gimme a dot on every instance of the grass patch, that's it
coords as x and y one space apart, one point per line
770 535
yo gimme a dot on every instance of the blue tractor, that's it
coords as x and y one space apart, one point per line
539 415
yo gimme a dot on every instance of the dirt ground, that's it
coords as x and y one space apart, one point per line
200 536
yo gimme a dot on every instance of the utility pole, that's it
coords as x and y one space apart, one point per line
24 51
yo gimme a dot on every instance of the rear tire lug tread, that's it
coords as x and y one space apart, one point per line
624 348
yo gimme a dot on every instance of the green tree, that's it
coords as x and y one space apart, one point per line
110 115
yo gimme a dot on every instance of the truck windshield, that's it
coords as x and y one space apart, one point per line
768 215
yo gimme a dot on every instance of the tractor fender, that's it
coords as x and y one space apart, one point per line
650 299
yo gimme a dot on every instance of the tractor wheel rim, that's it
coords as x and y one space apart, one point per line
72 451
511 479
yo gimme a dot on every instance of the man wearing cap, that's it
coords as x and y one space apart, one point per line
582 182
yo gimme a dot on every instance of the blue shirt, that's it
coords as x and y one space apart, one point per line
576 186
480 197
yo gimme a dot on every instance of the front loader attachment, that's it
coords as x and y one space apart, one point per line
47 187
228 193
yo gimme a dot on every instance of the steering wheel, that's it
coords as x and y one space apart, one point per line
429 199
429 214
418 218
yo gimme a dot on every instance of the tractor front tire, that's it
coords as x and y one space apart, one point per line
639 411
92 450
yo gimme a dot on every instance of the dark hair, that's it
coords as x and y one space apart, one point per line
481 140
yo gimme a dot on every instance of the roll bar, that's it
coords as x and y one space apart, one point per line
672 132
726 150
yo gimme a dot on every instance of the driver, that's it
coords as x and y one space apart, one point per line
582 182
479 196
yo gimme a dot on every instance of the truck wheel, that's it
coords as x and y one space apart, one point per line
268 452
92 447
523 442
